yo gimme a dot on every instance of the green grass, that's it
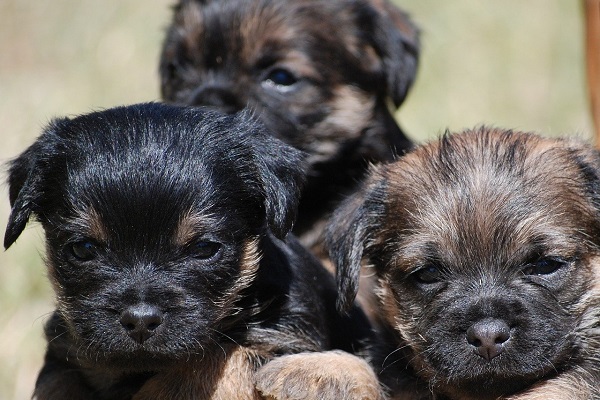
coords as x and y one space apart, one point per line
511 63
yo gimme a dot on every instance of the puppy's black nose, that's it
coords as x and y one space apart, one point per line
218 97
488 337
141 320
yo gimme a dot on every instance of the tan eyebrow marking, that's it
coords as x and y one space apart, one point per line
190 225
90 223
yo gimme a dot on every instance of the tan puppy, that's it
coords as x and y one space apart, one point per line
487 247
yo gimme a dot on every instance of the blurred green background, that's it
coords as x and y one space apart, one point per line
508 63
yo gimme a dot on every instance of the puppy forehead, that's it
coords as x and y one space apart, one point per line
150 236
488 195
141 220
289 30
140 179
153 202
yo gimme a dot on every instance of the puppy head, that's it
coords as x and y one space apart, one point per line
486 246
318 72
153 216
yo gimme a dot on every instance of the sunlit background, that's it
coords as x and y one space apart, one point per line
508 63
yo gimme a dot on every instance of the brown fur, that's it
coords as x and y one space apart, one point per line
249 264
227 375
191 223
346 84
327 376
484 225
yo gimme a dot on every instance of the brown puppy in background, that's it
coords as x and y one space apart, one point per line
487 247
323 75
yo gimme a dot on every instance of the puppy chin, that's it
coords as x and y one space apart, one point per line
478 379
495 352
136 361
483 388
99 337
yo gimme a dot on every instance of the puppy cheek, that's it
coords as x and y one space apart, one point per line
249 263
402 314
594 275
57 279
351 111
350 114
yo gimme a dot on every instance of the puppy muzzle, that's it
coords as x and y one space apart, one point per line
220 97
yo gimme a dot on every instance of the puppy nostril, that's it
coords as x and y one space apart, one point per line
140 321
153 325
128 325
502 337
488 337
219 97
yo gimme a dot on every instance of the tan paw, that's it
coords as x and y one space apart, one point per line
331 375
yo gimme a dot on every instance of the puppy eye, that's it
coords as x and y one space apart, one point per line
428 274
544 266
84 250
205 250
171 70
281 77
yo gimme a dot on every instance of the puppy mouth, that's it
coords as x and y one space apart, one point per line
139 337
141 351
505 352
491 356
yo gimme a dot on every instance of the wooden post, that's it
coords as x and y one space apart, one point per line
592 35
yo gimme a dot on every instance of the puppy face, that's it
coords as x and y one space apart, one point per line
486 245
318 73
152 217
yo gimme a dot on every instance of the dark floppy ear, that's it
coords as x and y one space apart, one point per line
587 159
25 178
23 190
349 233
396 39
281 172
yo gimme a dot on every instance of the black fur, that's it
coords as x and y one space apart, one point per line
154 207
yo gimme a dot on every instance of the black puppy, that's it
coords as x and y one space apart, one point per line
324 75
168 248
